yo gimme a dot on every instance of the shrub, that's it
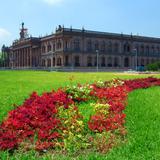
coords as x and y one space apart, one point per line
153 66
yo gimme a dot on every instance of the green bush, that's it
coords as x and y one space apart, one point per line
153 66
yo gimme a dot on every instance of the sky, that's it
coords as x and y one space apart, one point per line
41 17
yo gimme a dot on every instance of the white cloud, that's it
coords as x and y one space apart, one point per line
53 2
4 36
4 33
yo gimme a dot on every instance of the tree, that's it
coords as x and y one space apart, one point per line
4 56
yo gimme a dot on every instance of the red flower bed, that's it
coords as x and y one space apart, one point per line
37 119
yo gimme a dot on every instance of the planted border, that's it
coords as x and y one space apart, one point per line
53 120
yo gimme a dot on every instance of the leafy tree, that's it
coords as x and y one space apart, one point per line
4 56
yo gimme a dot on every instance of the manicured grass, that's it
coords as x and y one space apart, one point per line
142 112
15 86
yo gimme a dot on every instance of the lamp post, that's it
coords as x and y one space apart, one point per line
136 57
97 51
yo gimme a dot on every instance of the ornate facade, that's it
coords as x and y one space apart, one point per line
82 49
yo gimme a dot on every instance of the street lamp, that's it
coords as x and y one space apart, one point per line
136 57
97 51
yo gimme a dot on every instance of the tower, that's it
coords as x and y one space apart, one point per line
23 32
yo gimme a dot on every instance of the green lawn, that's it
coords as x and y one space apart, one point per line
142 111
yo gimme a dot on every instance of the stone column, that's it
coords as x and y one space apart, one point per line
30 57
122 61
46 63
51 61
22 57
112 61
18 59
55 60
26 57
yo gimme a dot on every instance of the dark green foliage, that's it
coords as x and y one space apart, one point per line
153 66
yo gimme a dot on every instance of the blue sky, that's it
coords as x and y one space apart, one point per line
42 16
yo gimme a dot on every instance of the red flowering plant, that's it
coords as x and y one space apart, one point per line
53 120
36 117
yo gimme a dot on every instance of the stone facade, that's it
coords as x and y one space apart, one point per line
81 48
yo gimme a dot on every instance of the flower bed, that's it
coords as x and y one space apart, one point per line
53 120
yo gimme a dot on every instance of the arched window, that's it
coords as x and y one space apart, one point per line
110 47
43 49
103 61
116 62
89 45
49 48
59 62
77 61
89 61
126 62
110 62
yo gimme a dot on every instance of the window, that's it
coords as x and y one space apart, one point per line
66 45
96 45
48 62
77 61
127 48
103 62
43 49
152 49
126 62
116 62
142 49
142 62
59 62
66 60
110 47
116 48
157 50
54 61
43 63
59 45
89 61
49 48
103 46
95 61
147 50
89 45
54 47
110 62
76 45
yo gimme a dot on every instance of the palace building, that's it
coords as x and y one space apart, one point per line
82 48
